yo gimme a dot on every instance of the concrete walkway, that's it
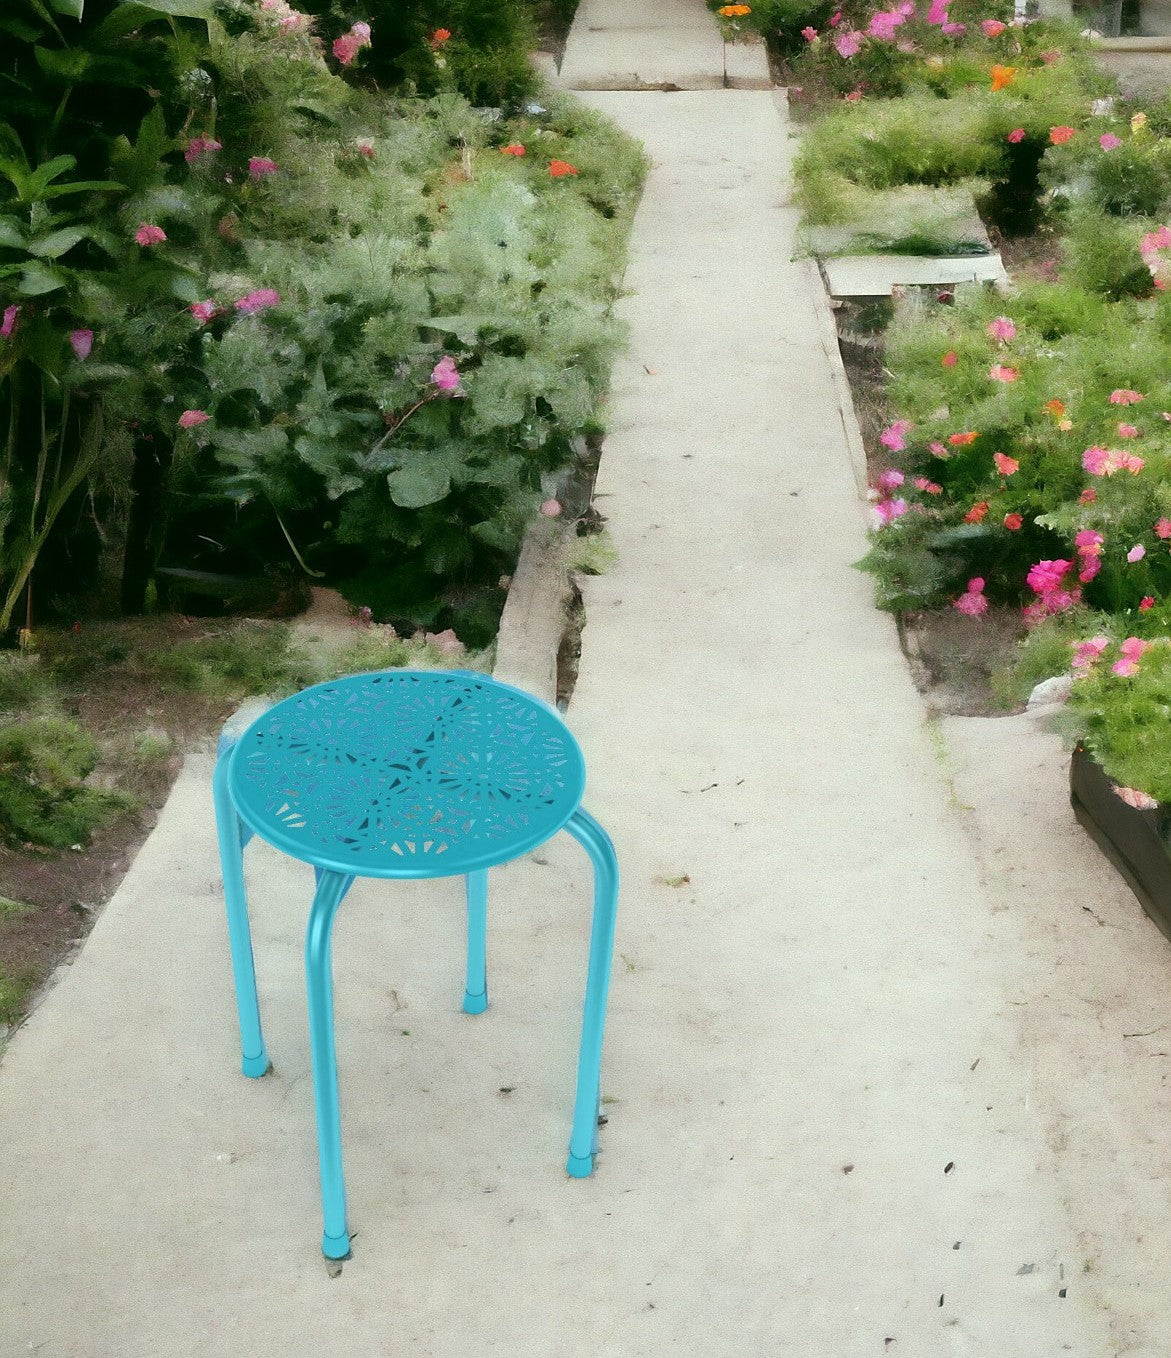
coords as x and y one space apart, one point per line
831 1115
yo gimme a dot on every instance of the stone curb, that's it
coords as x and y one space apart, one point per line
535 611
827 333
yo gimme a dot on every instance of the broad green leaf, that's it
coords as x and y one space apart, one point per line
132 14
83 186
38 279
57 243
11 236
424 480
185 286
72 9
43 175
69 63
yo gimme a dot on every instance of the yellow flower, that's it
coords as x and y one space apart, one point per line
734 11
1138 123
1065 425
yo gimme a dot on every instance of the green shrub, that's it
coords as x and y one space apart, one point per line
249 658
42 797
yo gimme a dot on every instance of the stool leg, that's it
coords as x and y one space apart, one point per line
331 887
476 990
583 1141
232 837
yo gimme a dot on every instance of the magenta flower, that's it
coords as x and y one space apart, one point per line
954 30
347 47
848 44
444 374
889 510
81 341
204 311
892 436
1086 654
1046 576
8 323
1016 136
1133 650
993 28
1136 553
890 479
1089 542
937 12
260 167
198 147
1002 329
190 418
972 602
883 24
1123 396
259 300
1109 142
809 34
147 234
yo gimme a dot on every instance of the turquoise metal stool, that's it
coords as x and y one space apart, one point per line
406 774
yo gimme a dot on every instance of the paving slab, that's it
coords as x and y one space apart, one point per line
879 275
665 44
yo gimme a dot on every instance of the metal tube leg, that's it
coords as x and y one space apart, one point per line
232 838
476 989
331 887
583 1141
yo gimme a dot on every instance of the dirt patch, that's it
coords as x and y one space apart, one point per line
956 660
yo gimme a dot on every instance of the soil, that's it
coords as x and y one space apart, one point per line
112 696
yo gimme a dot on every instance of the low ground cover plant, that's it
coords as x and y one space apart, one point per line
1025 460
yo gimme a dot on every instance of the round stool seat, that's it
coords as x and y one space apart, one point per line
407 774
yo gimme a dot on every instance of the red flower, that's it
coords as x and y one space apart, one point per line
1012 522
439 37
1059 135
1016 135
558 169
1147 603
950 359
962 440
516 149
977 512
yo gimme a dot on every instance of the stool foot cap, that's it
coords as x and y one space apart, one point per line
256 1066
336 1246
579 1166
475 1004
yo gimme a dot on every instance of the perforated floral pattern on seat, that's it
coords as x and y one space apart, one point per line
407 774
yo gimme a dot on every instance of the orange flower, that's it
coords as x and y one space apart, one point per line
558 169
734 11
1001 76
516 149
977 512
440 36
1060 135
1055 408
962 440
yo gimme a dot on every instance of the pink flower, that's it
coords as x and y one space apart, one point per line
928 487
259 300
361 31
889 510
260 167
150 235
1123 396
809 34
200 146
8 324
1141 801
190 418
972 601
1107 461
1086 654
204 311
1127 462
1163 528
1109 142
1089 542
1016 136
365 148
954 30
936 449
82 342
346 48
1046 576
999 373
993 28
551 508
1136 553
891 479
1133 651
848 44
883 24
1127 431
1146 603
937 12
444 374
835 19
950 359
1002 329
854 97
892 436
1088 496
1005 465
